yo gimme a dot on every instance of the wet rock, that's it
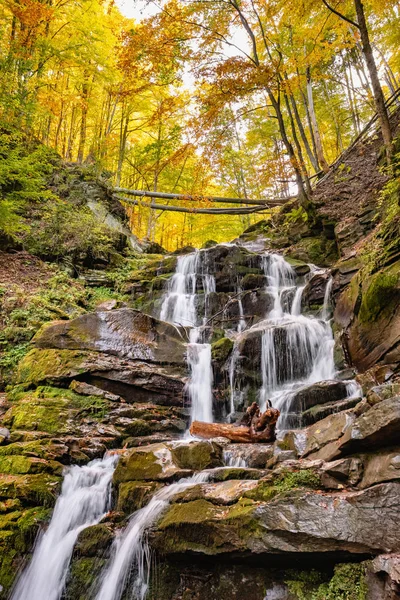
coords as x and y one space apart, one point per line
382 392
94 540
255 456
234 473
314 291
381 467
318 393
378 427
80 387
319 412
196 456
125 333
326 432
133 495
301 521
344 471
368 311
222 494
252 281
383 577
134 381
4 435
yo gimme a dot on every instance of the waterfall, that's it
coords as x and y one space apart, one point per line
180 307
200 384
84 501
296 350
130 550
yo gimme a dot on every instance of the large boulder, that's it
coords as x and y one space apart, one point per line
133 380
125 333
369 313
274 521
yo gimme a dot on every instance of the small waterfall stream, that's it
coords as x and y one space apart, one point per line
84 501
130 551
179 307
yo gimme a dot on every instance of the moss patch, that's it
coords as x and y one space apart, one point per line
221 349
142 466
380 293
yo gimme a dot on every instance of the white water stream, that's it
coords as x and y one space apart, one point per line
84 501
130 551
179 307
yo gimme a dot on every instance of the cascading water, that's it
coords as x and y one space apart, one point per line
84 501
296 350
179 307
130 551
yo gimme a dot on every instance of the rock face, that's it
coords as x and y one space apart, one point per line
124 333
368 313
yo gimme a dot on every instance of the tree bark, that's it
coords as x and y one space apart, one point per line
376 86
318 143
237 434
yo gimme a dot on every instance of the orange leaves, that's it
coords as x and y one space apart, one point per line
31 13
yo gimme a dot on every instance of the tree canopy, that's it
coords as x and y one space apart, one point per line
237 98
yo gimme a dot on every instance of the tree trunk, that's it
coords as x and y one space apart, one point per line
303 197
376 86
298 147
234 433
84 111
318 143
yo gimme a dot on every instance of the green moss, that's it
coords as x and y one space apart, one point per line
142 466
93 540
197 456
15 465
285 482
30 489
379 293
40 365
221 349
133 495
83 573
194 512
17 538
347 583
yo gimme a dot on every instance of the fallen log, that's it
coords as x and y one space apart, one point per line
260 432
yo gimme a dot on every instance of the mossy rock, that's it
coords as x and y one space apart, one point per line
197 455
17 539
317 250
15 465
380 293
138 427
82 575
94 540
40 365
253 281
133 495
141 464
30 489
221 349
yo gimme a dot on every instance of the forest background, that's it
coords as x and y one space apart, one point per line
203 98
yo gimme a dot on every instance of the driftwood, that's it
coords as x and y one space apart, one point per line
254 427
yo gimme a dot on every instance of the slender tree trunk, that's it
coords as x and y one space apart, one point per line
302 164
304 200
310 128
84 111
310 154
318 143
376 86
